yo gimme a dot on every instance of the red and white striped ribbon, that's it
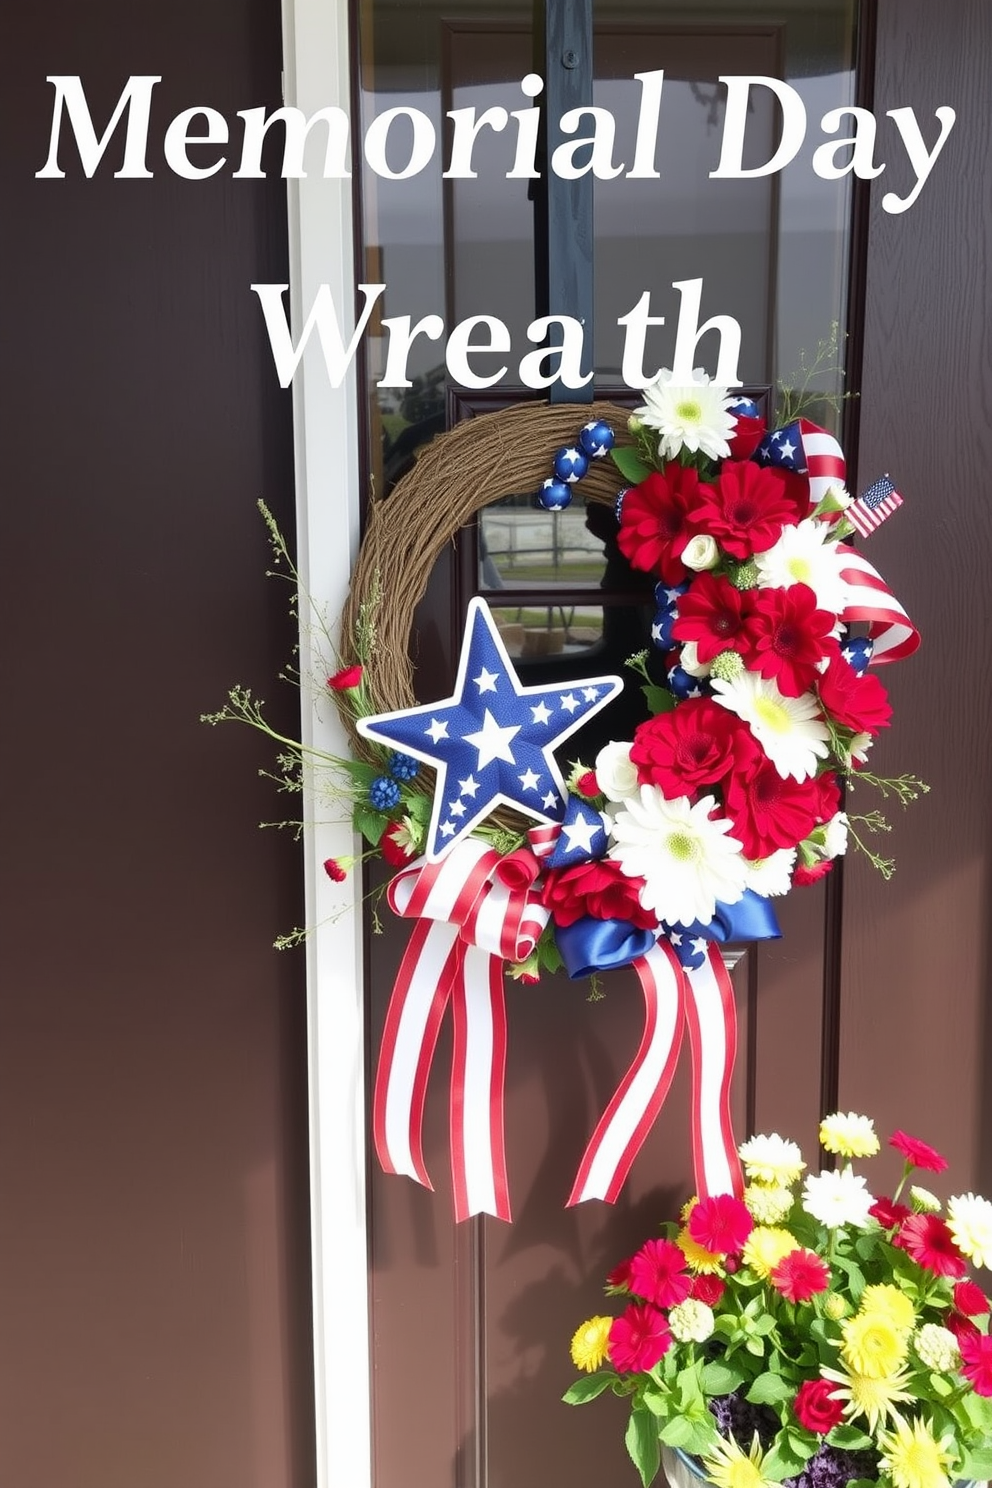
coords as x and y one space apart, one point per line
894 634
674 998
473 910
825 464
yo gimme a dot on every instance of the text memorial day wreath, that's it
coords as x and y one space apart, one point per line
665 845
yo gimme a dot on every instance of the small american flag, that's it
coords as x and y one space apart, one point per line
871 509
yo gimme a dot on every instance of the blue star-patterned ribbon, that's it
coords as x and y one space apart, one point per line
491 742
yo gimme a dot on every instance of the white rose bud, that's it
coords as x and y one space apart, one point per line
701 552
616 773
689 661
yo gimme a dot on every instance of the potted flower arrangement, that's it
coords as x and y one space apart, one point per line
814 1335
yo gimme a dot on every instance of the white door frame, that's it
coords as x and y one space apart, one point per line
316 63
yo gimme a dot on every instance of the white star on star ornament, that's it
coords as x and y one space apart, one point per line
491 742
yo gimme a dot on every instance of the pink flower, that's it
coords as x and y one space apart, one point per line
928 1240
970 1299
345 679
657 1273
799 1276
720 1224
817 1407
639 1337
976 1353
619 1277
918 1154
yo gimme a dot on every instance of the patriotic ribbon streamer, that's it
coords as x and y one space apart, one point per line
675 999
474 909
893 633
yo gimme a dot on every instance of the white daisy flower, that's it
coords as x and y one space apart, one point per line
692 418
837 1198
772 876
835 836
687 860
771 1159
803 555
616 774
791 731
969 1219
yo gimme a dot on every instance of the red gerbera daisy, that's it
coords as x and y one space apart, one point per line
918 1154
970 1299
658 518
711 613
788 634
639 1337
860 703
960 1326
888 1213
689 747
598 888
707 1288
720 1224
657 1273
928 1240
746 508
767 811
800 1275
976 1352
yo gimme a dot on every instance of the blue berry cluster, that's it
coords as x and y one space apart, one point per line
384 792
571 463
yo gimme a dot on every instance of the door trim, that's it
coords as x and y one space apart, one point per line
316 55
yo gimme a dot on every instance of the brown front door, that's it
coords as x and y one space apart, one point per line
471 1323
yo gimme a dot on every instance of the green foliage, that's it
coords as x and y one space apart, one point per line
643 1444
630 464
588 1388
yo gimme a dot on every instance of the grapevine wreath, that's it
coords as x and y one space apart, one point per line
761 710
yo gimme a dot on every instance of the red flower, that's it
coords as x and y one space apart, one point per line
928 1240
689 747
395 853
334 870
598 888
800 1275
747 436
711 613
657 1273
639 1337
707 1288
348 677
970 1299
619 1277
888 1213
803 874
861 703
976 1351
658 518
788 635
961 1327
918 1153
746 508
587 784
720 1224
816 1407
769 812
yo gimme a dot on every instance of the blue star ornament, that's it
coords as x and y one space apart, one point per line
491 742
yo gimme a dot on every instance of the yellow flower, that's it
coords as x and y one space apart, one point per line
887 1301
912 1456
765 1248
768 1203
872 1346
871 1398
729 1467
697 1258
589 1343
849 1136
773 1160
